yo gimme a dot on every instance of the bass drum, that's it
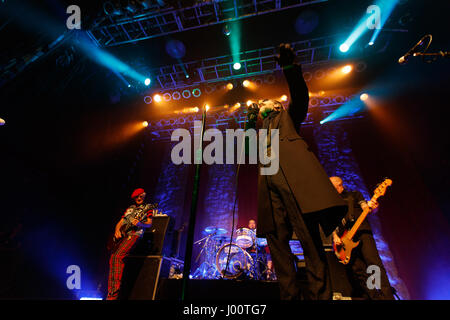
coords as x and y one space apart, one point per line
232 261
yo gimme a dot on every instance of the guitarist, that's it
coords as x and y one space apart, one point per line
127 240
366 253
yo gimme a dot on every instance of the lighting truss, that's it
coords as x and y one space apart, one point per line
254 62
113 31
161 130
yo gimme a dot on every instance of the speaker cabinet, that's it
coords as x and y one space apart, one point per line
156 240
141 276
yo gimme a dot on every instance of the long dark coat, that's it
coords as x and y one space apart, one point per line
306 177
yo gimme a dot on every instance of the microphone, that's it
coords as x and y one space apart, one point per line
404 59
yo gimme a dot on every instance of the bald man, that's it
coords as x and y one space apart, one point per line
366 253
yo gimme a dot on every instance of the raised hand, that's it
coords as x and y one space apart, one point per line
286 55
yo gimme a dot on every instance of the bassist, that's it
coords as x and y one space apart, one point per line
127 232
366 253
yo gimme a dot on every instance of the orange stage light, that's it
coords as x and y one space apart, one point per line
157 98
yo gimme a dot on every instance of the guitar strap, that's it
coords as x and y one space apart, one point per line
350 216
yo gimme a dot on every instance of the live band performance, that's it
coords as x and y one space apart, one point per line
224 150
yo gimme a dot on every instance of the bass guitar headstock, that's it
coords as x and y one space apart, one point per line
381 188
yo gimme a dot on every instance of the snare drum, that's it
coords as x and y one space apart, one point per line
245 238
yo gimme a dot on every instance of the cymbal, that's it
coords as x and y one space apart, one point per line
215 230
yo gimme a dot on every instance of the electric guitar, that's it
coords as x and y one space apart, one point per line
343 251
140 214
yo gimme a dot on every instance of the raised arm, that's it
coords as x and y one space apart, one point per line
298 107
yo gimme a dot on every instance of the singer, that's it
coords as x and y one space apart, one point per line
299 197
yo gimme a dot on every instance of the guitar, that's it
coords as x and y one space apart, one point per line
140 214
343 251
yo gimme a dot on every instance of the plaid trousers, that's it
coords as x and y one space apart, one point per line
116 266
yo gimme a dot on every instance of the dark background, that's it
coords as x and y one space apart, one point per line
65 165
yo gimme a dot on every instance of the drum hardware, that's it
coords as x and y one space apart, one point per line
211 244
240 257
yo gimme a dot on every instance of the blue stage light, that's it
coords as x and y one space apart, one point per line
147 81
344 47
236 66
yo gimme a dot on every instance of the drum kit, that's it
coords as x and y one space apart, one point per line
244 256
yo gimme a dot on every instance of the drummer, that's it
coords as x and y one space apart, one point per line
265 248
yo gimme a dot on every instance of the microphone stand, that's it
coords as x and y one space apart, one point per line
434 55
191 228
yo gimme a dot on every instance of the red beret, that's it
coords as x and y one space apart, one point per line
137 192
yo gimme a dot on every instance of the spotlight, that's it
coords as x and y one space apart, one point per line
207 107
237 105
344 47
283 97
347 69
2 122
147 81
230 86
196 109
371 43
226 31
129 85
236 66
157 98
364 97
249 103
145 124
246 83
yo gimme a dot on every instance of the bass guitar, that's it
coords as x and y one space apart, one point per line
343 251
140 214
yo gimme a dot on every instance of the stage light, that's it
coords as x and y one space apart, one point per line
344 47
90 298
347 69
283 97
249 103
207 107
246 83
230 86
157 98
147 81
226 31
371 43
2 122
237 105
236 66
129 85
364 97
196 109
145 124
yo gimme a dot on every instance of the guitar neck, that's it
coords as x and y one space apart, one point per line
360 220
